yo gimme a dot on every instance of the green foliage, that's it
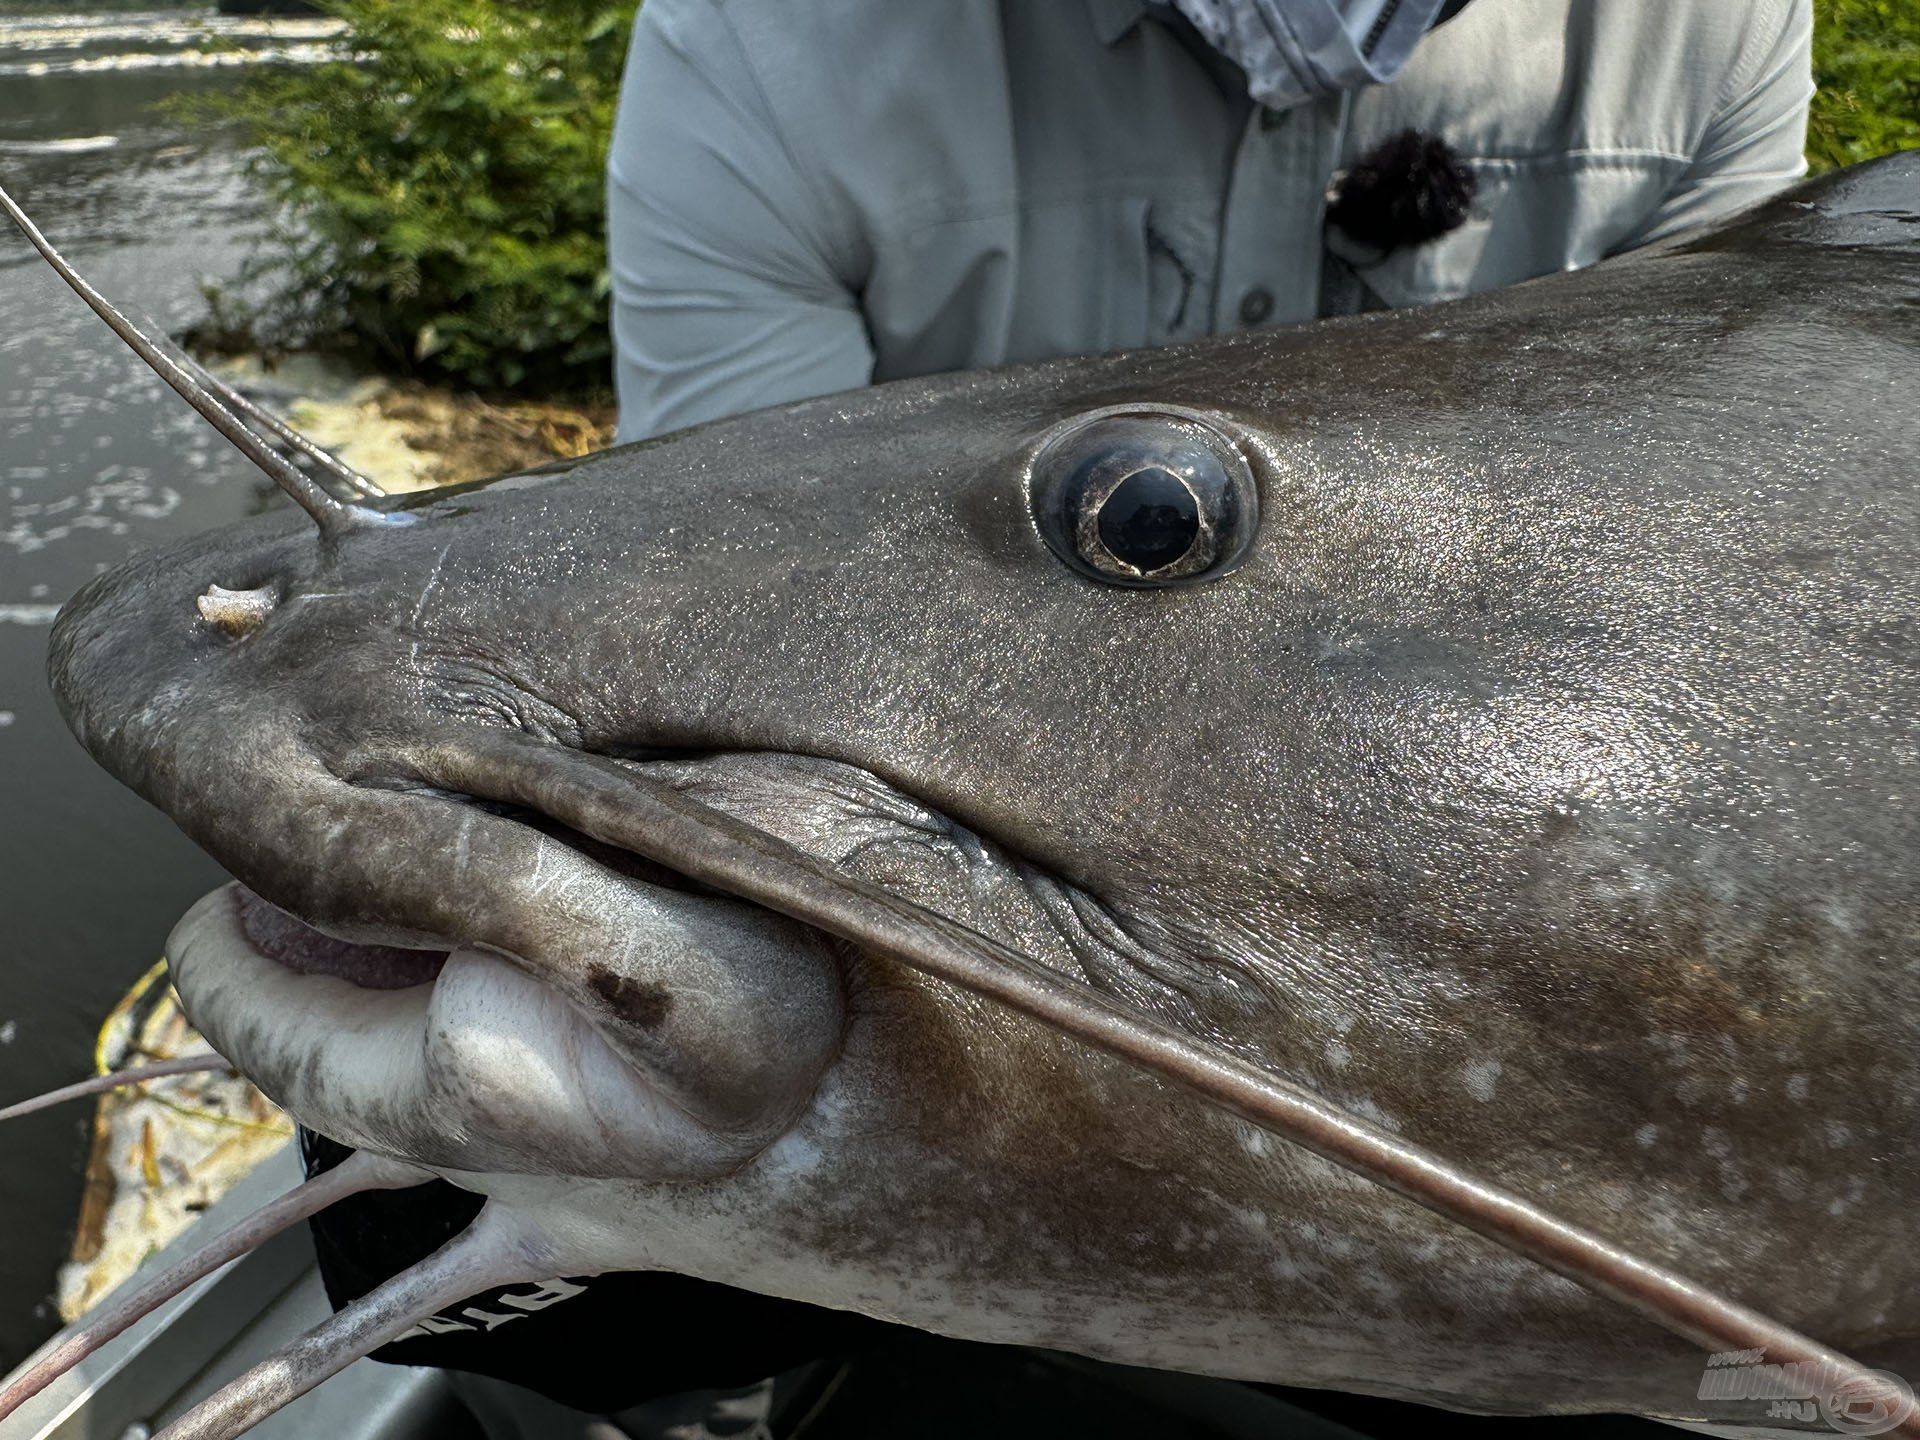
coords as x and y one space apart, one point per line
441 188
1866 62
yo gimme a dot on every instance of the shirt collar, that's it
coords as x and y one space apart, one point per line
1114 18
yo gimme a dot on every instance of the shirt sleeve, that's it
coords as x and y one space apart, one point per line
730 281
1755 144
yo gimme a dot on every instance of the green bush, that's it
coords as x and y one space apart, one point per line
440 187
1866 62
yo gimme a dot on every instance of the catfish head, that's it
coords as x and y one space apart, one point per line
1496 720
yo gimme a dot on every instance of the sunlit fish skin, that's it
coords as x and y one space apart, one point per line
1529 767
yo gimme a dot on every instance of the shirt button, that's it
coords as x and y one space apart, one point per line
1255 306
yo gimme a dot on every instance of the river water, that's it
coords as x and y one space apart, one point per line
97 459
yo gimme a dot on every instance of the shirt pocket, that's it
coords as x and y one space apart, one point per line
1083 268
1531 216
1180 243
1113 271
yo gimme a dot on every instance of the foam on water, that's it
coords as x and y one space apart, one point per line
51 45
73 145
51 32
171 60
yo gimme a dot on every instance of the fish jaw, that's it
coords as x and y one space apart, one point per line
462 1060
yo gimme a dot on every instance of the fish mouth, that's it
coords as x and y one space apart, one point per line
580 966
457 1059
295 945
521 997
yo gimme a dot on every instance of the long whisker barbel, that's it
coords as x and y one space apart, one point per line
115 1079
489 1252
615 804
356 1174
264 420
332 514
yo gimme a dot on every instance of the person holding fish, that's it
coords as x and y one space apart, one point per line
788 969
809 198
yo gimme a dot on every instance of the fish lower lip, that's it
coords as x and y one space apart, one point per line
304 950
485 1069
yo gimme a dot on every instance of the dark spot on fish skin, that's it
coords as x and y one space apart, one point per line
643 1002
1561 823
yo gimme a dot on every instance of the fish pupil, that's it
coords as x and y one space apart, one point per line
1150 520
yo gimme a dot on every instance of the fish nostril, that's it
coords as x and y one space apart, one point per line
237 612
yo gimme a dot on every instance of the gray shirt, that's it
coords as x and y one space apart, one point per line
808 197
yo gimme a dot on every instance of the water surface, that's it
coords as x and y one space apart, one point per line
97 459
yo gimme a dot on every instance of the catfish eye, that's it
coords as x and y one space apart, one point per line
1145 497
